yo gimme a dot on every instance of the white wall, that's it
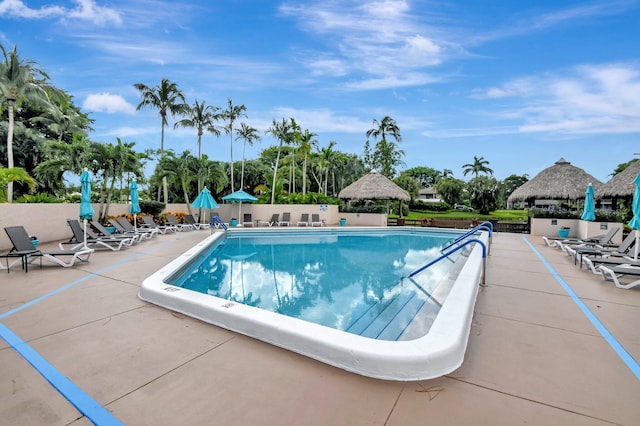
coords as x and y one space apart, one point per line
548 227
48 221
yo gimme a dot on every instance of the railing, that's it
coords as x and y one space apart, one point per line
453 250
484 226
215 220
498 226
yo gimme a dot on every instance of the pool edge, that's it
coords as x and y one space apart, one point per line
439 352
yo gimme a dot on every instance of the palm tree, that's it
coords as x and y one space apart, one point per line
20 81
249 135
306 142
181 171
201 117
232 113
386 155
14 174
167 99
479 165
387 126
282 132
61 117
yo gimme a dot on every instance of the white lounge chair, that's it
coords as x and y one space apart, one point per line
22 242
315 220
304 220
271 222
614 273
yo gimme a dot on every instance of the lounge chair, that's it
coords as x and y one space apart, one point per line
304 220
149 223
131 230
171 220
22 243
286 219
609 250
104 233
595 264
601 241
189 219
272 221
93 240
247 220
23 256
315 220
616 272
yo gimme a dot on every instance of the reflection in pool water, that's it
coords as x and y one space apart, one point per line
350 282
352 306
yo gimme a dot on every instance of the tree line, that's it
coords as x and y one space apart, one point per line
47 136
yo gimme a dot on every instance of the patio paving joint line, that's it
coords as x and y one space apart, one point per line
622 353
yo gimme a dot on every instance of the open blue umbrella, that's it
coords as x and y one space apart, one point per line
134 208
204 200
86 210
589 212
240 197
635 220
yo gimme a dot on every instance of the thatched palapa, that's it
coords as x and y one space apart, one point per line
374 186
621 185
562 181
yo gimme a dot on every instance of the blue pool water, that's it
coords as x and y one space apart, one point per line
353 282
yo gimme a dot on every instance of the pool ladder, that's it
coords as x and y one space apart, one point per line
459 243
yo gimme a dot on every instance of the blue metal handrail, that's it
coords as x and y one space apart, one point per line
216 219
484 226
447 254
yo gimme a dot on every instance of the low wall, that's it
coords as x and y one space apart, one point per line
548 227
48 221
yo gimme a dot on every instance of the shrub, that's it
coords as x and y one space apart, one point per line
154 208
38 198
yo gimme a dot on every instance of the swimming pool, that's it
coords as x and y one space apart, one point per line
365 316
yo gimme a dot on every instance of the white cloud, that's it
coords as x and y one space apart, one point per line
374 42
106 102
85 10
322 120
591 99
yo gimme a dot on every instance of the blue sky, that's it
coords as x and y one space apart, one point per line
519 83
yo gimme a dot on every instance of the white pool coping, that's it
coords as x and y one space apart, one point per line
437 353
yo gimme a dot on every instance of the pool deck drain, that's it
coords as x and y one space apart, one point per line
533 355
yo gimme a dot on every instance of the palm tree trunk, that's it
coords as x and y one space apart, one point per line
231 145
304 175
165 186
275 172
244 148
10 103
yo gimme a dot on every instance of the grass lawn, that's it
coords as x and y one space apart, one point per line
504 215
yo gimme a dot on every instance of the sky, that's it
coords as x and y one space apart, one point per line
519 83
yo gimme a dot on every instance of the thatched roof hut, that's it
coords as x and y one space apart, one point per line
374 186
562 181
621 185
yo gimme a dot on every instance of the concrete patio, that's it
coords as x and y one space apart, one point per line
533 356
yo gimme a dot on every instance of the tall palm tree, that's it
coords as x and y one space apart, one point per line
478 166
282 131
167 99
20 81
249 135
231 114
384 127
201 117
386 155
306 142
